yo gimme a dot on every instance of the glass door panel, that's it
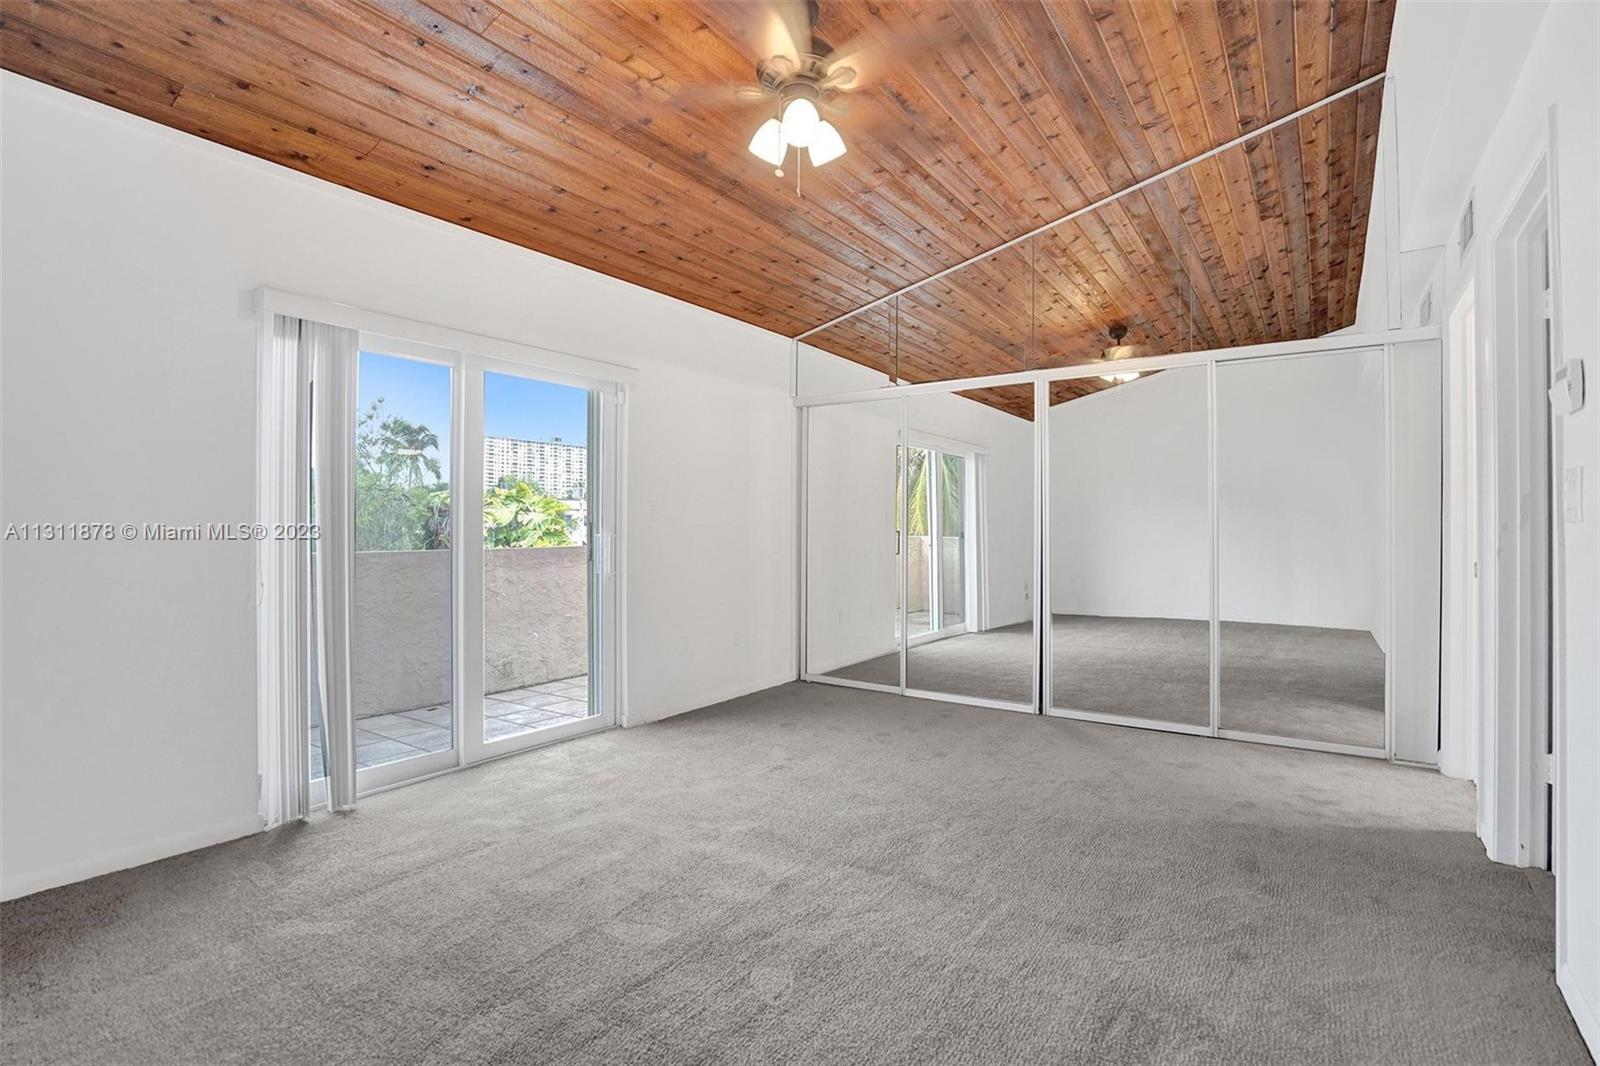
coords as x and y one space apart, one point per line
1301 520
401 635
1130 548
853 539
537 573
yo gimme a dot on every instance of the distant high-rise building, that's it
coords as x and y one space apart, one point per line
560 469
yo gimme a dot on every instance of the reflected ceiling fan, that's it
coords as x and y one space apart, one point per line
805 77
1118 350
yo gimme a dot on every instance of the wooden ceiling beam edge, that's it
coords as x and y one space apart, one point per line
1104 201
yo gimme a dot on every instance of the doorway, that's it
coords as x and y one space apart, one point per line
1521 539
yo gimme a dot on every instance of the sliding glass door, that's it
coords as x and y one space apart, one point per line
537 579
481 581
402 675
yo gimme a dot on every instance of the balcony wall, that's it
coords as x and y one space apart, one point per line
535 608
950 554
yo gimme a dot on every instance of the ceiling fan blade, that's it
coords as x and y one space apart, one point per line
868 56
718 97
786 30
773 28
835 105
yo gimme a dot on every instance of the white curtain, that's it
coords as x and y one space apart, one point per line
333 372
305 383
283 498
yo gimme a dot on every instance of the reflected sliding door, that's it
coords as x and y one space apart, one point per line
935 500
970 503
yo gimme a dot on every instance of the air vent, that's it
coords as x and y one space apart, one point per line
1466 228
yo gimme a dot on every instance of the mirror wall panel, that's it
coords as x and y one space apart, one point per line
1130 549
970 546
1302 555
853 542
1262 242
1416 386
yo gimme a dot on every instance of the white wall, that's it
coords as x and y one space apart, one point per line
1559 71
1300 491
1130 527
130 252
1478 82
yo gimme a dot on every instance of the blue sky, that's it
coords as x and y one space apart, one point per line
513 406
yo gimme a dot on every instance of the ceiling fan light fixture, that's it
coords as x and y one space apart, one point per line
769 144
1118 379
800 121
826 144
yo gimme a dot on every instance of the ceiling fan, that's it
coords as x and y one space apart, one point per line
805 77
805 74
1118 350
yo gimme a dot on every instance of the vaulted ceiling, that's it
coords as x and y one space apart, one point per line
596 132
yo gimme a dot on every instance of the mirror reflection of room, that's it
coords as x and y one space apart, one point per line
969 546
1130 547
1302 572
853 542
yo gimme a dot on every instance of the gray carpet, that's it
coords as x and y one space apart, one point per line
822 875
1294 681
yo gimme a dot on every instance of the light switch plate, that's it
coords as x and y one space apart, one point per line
1572 493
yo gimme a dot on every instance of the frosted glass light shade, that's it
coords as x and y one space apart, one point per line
768 145
800 122
826 144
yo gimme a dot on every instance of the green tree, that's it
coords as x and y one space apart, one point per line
396 447
517 514
918 470
400 504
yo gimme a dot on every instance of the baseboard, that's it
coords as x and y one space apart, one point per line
17 886
1582 1013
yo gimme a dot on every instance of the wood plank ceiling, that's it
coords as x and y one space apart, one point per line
583 130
